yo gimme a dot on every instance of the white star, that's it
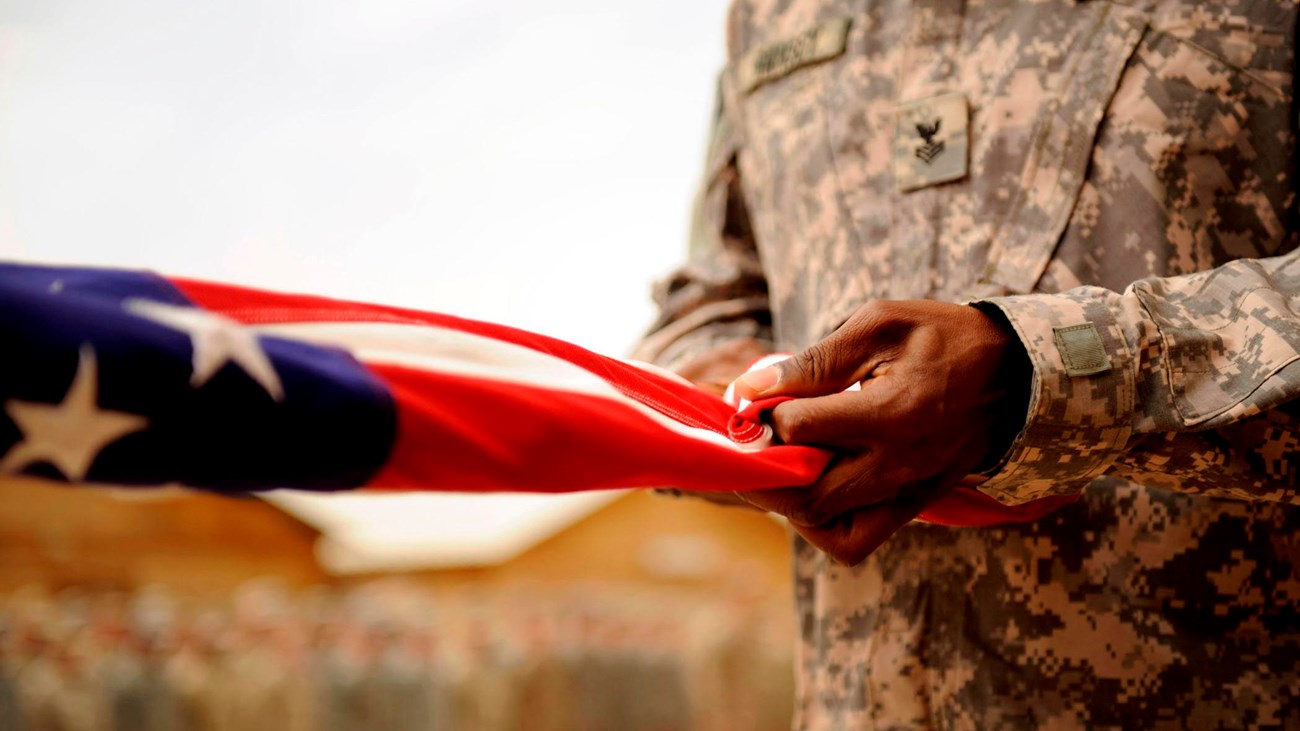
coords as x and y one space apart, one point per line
68 435
216 340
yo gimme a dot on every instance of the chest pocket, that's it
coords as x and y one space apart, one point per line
1060 148
1191 167
833 223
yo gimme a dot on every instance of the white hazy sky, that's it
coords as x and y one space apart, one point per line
523 162
529 163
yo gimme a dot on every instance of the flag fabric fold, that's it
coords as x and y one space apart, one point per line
131 378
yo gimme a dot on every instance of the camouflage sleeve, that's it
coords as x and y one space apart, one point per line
1186 383
720 295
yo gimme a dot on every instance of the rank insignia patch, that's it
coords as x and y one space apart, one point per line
930 141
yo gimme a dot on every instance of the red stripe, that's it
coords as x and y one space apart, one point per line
682 401
468 434
967 507
462 433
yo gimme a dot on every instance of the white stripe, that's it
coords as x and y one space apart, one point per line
443 350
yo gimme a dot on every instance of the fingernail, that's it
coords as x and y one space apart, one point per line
762 379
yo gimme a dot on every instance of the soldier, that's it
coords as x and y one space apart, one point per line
544 687
11 709
262 679
190 674
62 691
340 665
1111 185
487 693
660 694
399 692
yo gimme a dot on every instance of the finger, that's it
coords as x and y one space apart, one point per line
789 502
840 420
725 499
855 482
829 366
857 535
873 477
849 483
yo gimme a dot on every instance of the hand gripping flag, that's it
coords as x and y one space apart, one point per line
130 378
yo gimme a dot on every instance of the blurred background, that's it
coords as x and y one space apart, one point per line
526 163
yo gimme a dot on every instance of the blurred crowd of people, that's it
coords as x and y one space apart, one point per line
392 656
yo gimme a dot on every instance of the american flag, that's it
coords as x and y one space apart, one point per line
131 378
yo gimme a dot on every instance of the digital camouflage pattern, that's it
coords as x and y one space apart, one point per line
1130 184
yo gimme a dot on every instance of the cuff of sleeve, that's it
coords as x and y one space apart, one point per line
682 349
703 328
1082 399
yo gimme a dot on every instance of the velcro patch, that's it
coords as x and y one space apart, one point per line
1081 349
774 60
931 141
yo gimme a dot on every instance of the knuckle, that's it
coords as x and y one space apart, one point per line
873 315
781 502
815 510
885 322
819 514
870 311
814 363
831 505
792 425
853 555
826 362
845 551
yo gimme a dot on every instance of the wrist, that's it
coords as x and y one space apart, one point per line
1012 387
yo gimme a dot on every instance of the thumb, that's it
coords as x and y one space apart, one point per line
823 368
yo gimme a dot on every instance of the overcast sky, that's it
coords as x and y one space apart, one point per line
514 161
523 162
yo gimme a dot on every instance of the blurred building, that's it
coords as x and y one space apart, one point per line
56 536
201 544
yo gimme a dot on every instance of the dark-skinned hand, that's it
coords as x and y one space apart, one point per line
943 389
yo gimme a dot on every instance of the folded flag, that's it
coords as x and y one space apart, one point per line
131 378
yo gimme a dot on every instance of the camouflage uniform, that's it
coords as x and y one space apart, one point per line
1118 180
